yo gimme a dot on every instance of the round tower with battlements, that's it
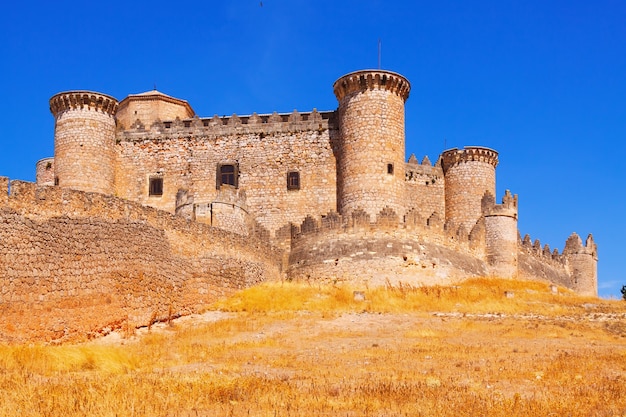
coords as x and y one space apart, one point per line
371 146
501 236
582 260
469 173
84 140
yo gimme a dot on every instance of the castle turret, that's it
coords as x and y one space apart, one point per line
501 239
469 174
582 262
84 140
44 171
371 145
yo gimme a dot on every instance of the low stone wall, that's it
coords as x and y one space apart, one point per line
73 264
378 258
532 267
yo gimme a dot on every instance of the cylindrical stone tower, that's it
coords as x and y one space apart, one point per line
469 173
582 264
44 171
84 140
371 146
501 235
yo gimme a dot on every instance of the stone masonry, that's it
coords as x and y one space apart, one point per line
148 210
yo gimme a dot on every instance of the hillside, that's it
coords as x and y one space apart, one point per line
297 349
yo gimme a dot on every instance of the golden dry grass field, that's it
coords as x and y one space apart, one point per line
294 349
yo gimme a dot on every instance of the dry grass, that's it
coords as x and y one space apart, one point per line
298 349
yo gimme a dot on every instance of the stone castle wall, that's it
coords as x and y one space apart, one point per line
424 188
415 251
186 154
73 263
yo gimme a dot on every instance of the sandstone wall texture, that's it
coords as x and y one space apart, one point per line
415 251
157 212
44 173
84 140
265 149
371 146
575 268
72 264
424 188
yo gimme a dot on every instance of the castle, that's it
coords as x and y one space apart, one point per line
240 199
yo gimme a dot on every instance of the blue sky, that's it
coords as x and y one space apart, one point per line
542 82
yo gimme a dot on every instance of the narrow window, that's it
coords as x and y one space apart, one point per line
293 180
390 169
56 180
156 186
227 174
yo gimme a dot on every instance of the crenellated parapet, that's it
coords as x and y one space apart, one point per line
73 100
372 80
507 208
456 156
575 267
216 126
412 250
542 253
574 245
387 221
418 172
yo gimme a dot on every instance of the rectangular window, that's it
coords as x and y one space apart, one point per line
227 174
293 180
156 186
390 169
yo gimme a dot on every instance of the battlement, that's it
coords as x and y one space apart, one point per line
371 80
507 208
38 202
574 245
543 253
414 169
72 100
455 156
432 228
226 125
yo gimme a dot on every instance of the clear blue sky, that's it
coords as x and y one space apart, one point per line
543 82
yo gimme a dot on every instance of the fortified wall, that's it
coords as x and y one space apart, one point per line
73 263
146 206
